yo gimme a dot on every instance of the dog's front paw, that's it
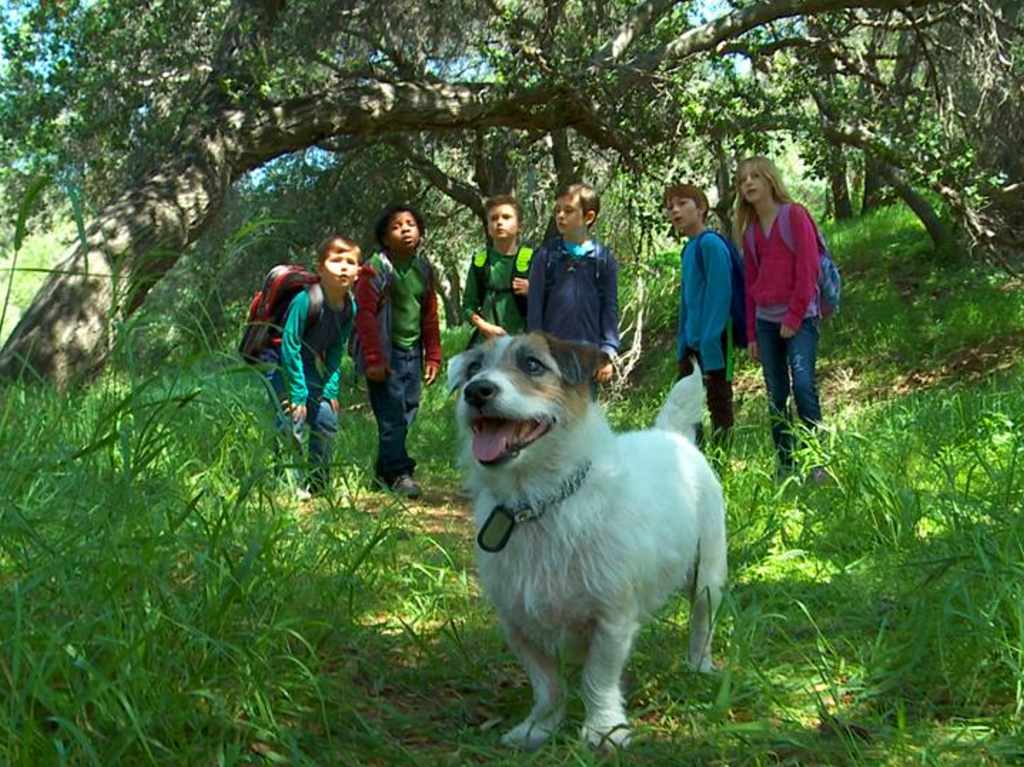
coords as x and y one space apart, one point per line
607 738
528 735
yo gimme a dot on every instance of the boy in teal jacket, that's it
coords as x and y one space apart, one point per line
305 369
704 301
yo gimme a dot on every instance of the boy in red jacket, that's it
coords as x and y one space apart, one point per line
398 339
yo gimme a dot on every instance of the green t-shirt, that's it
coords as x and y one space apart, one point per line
406 303
498 304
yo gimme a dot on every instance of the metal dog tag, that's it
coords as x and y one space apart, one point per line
496 530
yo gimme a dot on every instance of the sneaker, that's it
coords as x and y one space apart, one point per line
818 476
406 486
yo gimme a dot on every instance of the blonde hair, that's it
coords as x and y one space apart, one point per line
745 213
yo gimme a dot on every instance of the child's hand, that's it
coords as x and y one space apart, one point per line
430 371
520 286
604 374
377 373
752 350
490 331
334 405
298 413
787 332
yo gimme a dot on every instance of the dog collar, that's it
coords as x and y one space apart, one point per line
496 531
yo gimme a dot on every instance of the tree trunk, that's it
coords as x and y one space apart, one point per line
132 243
453 298
873 185
726 190
840 188
921 207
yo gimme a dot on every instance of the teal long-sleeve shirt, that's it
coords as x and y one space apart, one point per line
312 358
704 298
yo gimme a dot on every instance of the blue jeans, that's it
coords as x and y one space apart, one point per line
395 401
321 422
789 364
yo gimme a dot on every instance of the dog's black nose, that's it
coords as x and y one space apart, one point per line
479 392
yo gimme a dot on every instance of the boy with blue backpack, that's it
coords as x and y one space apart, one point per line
573 285
712 324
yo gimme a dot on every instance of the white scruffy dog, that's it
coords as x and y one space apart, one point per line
583 533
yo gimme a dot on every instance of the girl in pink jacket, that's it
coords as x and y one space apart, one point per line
780 253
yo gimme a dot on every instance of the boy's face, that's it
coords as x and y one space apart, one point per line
339 265
503 222
403 233
570 219
684 214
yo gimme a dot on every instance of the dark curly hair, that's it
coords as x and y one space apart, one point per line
385 218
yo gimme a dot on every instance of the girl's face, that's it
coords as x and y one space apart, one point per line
754 186
403 233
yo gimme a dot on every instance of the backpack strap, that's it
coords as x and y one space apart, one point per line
316 304
481 270
521 268
786 228
386 273
701 258
523 259
786 225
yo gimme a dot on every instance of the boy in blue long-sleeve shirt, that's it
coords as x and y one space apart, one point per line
573 290
303 377
704 301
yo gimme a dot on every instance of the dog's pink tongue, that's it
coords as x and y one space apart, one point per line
491 440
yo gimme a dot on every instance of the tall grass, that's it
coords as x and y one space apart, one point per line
165 600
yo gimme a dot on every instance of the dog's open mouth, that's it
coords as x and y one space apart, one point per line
498 439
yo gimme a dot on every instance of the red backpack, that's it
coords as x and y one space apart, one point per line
269 306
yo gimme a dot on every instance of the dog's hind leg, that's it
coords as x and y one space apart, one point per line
548 693
705 596
610 643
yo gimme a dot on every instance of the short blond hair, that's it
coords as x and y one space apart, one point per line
588 198
745 213
326 242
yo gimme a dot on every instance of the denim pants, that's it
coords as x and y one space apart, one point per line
789 364
395 401
321 422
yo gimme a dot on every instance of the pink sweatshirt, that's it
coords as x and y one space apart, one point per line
776 275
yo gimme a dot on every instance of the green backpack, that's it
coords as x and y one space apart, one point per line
482 271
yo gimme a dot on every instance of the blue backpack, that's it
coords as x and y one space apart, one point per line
738 305
830 284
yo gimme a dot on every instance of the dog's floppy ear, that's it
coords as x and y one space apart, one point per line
457 369
576 362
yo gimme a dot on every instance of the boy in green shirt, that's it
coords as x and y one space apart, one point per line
494 300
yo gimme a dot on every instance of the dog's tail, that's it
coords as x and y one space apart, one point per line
684 407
